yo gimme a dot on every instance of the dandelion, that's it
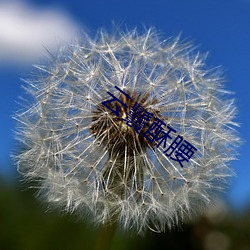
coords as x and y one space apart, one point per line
130 128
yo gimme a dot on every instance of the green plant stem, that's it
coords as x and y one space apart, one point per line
105 236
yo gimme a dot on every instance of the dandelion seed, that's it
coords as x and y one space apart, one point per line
89 159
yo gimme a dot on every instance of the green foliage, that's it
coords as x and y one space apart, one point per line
25 226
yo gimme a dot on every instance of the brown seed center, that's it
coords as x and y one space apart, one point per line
114 133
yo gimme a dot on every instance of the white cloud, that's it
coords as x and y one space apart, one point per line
25 31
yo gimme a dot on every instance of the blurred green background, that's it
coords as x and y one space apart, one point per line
27 225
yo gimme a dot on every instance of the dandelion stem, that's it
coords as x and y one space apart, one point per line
105 236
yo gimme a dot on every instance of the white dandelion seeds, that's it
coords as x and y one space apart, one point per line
86 159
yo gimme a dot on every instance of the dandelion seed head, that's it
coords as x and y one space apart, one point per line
86 159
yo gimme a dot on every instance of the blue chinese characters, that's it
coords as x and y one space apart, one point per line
179 149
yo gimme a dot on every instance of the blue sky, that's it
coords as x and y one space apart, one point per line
221 27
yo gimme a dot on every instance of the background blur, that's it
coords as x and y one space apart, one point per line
221 27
